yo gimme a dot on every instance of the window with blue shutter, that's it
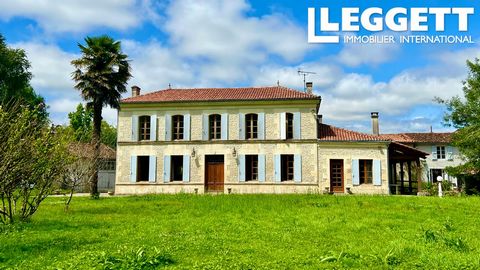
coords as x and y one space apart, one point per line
133 169
135 128
153 127
261 126
241 126
168 127
152 174
186 127
277 168
297 126
166 169
355 172
241 168
224 126
297 168
186 168
205 127
434 152
449 153
283 128
261 168
377 172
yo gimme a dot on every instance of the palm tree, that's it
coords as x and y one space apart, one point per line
101 76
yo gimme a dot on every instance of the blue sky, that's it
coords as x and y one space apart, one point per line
215 43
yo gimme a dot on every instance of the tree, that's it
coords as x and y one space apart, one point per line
15 80
32 156
101 76
81 125
464 115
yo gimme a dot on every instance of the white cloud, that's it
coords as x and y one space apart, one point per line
76 15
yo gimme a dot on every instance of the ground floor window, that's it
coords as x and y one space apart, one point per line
143 168
287 165
366 173
434 173
176 168
251 167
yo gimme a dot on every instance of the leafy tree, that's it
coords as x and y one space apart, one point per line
15 80
81 124
464 115
101 76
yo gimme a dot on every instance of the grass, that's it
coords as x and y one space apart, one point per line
248 232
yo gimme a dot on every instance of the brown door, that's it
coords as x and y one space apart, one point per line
214 166
336 175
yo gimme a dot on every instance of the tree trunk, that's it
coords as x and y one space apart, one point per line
97 123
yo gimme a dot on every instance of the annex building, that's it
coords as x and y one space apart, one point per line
250 140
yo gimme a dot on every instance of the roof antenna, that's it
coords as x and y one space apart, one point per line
304 74
278 83
169 86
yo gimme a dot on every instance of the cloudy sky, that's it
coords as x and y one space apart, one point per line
228 43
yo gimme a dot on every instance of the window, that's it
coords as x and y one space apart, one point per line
287 167
177 127
251 167
251 126
144 128
143 168
215 131
440 152
434 173
366 174
176 168
289 125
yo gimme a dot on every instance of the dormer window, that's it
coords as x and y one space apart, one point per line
177 127
144 128
215 127
251 124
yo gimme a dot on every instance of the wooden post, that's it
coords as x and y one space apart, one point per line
419 176
402 176
409 168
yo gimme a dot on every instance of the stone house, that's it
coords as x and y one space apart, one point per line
245 140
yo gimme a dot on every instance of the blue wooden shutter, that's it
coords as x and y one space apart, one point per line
261 168
434 152
152 169
186 168
241 126
133 169
283 128
166 169
205 127
241 168
261 126
224 126
135 128
186 127
153 127
297 168
168 127
277 168
297 126
377 172
355 172
449 153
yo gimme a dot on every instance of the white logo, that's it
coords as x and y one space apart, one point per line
375 19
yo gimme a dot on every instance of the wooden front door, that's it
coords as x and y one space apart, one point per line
336 175
214 166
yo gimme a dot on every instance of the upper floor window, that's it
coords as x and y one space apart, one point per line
215 124
441 152
177 127
289 125
251 124
366 172
144 127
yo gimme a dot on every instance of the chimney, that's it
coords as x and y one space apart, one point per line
320 118
135 91
375 129
309 86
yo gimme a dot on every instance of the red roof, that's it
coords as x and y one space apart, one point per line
331 133
221 94
428 137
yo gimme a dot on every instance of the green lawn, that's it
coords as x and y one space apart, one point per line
248 232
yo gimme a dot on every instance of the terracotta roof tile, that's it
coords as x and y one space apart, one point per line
427 137
221 94
331 133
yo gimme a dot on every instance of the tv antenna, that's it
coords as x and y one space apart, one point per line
304 74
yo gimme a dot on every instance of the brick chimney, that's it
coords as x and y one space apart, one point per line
309 86
135 91
375 128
